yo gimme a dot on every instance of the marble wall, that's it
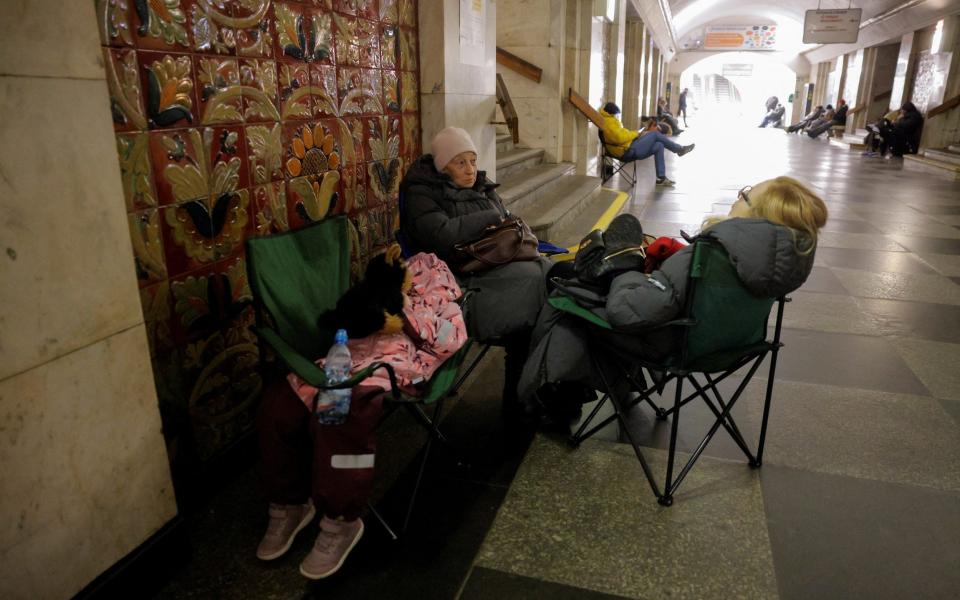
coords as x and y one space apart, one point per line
455 93
86 478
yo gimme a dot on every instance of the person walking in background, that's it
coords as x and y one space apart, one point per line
682 106
628 145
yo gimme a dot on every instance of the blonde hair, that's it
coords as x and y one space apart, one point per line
785 201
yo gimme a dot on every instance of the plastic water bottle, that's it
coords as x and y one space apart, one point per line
334 405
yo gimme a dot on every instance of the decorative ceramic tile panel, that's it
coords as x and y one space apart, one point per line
240 118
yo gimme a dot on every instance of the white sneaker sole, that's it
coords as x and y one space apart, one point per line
303 523
337 566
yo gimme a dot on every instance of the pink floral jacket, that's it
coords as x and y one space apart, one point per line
434 330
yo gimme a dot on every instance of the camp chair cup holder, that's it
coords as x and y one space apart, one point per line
715 345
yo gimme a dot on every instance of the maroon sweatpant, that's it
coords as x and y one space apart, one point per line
301 458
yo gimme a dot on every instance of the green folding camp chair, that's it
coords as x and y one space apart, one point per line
722 329
296 276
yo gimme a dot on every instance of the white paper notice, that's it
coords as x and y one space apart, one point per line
473 25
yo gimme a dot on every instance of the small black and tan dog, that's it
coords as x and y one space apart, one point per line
374 304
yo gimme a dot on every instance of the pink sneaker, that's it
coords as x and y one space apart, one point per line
286 521
334 542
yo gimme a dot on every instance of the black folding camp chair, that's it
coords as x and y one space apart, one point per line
722 329
610 165
296 276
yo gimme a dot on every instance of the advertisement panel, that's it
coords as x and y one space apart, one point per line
740 37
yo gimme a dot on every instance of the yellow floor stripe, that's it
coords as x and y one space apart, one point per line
602 223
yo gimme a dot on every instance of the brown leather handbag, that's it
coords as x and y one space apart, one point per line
508 241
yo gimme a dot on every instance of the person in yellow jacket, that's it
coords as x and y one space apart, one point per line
628 145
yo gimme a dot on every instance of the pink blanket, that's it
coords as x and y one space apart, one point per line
432 317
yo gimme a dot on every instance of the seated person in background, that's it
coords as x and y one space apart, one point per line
771 103
810 117
771 237
663 113
903 135
447 201
875 143
839 118
774 117
628 145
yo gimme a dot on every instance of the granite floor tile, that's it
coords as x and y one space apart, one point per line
828 312
592 508
842 537
847 225
901 438
945 264
873 260
938 209
822 279
952 408
843 359
932 230
926 244
935 363
918 287
937 322
861 241
488 584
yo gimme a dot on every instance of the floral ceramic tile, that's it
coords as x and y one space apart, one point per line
264 152
115 22
383 138
302 33
255 33
389 46
410 136
161 25
209 299
409 53
391 91
373 91
313 198
148 254
347 7
211 26
347 40
350 91
260 91
369 41
136 174
383 181
218 90
157 317
323 82
295 100
268 205
199 232
388 11
126 93
408 12
169 87
409 92
352 144
192 164
353 183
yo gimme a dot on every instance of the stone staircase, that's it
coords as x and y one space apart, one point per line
559 205
851 141
941 161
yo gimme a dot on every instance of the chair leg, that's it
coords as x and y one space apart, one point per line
667 498
382 521
766 407
575 439
432 434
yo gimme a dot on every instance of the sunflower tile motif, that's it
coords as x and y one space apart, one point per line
295 92
162 25
268 204
408 49
114 18
388 46
210 218
147 247
260 90
302 33
391 91
211 26
254 34
126 96
219 90
133 150
323 86
312 162
168 82
265 152
409 92
388 11
157 317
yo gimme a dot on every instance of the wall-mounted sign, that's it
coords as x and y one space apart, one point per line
740 37
473 26
737 70
838 26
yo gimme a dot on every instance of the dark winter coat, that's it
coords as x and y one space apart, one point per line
907 131
768 264
437 215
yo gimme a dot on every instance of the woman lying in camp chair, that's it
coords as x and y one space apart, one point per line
770 236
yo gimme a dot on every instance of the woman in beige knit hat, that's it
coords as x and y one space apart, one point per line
445 201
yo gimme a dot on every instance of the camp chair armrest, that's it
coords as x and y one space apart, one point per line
569 305
308 371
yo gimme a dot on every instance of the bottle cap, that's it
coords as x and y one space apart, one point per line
340 337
